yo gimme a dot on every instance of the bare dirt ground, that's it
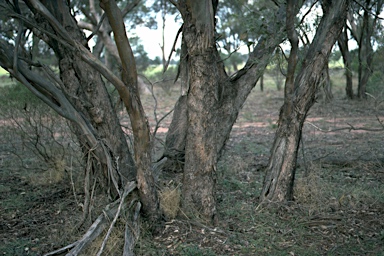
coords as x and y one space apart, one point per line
339 192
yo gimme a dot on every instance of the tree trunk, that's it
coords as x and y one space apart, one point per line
343 45
262 83
326 84
365 57
200 149
208 83
129 94
90 97
362 33
213 94
235 89
278 182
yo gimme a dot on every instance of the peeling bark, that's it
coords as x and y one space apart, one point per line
211 95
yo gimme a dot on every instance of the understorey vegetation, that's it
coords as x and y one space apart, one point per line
259 134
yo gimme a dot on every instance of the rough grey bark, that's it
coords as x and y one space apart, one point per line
80 83
278 182
200 149
88 94
213 94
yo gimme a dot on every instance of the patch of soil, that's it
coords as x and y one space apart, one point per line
338 212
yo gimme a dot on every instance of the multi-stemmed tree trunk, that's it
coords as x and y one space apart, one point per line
300 95
212 103
90 97
129 94
81 96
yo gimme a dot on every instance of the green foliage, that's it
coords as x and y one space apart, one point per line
241 23
155 73
141 56
15 95
375 84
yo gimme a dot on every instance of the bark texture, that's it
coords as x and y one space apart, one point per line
212 94
200 149
278 182
89 96
131 98
81 82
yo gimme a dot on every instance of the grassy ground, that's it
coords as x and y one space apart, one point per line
339 192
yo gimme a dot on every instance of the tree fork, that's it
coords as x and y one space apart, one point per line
278 182
130 96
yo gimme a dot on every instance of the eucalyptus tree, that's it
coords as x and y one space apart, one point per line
364 17
240 24
299 96
79 94
204 116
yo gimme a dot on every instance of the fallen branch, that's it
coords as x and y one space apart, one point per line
349 128
111 211
128 189
131 237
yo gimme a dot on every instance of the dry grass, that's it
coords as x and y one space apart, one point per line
114 245
314 192
170 202
339 209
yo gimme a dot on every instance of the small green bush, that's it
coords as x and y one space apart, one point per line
376 83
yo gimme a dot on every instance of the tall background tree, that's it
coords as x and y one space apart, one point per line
363 18
299 96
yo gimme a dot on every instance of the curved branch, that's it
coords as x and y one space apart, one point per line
131 99
46 91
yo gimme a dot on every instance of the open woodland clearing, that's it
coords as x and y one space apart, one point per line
339 195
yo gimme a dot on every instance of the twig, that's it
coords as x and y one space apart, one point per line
369 11
96 228
62 250
111 172
206 227
158 121
308 12
173 48
87 196
129 239
128 189
97 27
350 128
72 183
380 122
